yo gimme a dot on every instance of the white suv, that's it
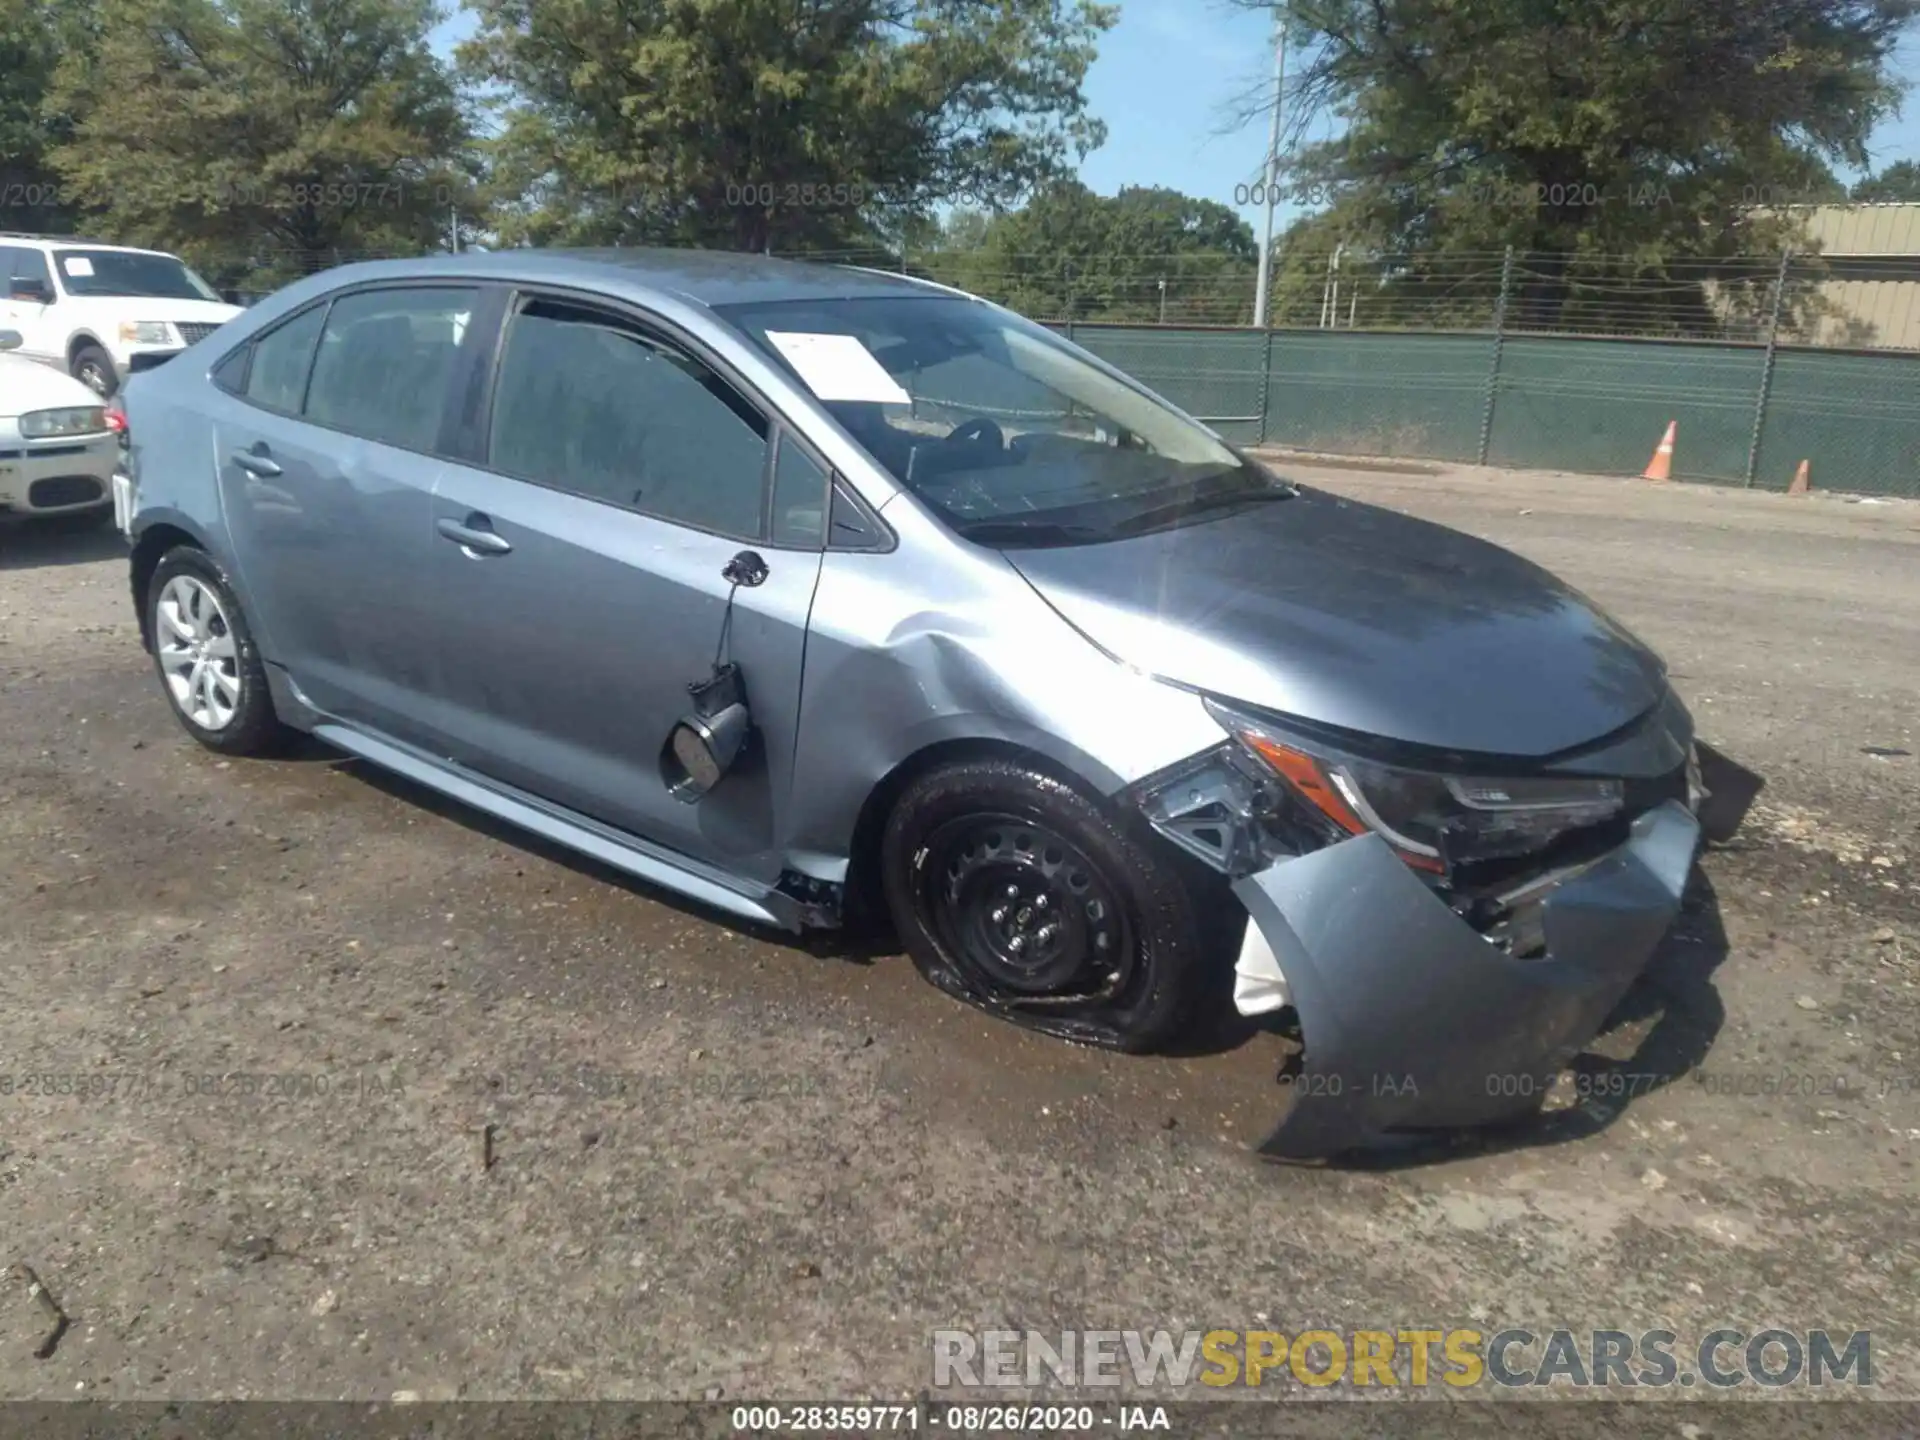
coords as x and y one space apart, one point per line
101 312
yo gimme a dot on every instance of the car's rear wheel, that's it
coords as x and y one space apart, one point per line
209 666
93 368
1013 891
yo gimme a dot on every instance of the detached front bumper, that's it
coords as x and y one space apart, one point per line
1411 1019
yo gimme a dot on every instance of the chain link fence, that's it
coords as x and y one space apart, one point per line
1851 302
1508 358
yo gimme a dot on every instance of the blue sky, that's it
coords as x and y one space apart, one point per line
1175 77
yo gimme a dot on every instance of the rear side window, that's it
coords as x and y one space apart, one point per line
386 362
588 403
278 377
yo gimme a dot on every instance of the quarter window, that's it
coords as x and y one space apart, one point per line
281 359
799 497
386 362
588 403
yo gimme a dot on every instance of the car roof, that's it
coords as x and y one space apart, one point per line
78 242
706 277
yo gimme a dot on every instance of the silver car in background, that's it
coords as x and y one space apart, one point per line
816 594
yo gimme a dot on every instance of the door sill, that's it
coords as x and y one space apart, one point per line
626 853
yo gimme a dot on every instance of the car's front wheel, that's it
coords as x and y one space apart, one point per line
93 368
1014 892
208 663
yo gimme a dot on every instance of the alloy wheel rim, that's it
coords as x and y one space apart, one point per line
198 654
1025 912
91 376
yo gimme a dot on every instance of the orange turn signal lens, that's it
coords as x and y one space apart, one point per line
1305 775
1303 772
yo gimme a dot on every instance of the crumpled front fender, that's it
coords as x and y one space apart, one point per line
1411 1020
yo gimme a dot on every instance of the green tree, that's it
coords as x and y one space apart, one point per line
33 36
1138 255
1623 147
1898 184
784 124
265 138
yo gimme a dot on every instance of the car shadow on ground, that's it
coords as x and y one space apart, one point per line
58 540
856 943
866 938
1657 1036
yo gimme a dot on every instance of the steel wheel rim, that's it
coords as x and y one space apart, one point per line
1024 912
198 655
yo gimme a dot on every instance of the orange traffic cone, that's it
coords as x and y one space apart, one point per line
1802 479
1661 466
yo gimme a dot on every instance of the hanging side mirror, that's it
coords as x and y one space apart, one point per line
709 738
702 747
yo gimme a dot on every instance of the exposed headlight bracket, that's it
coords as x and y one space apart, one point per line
1221 808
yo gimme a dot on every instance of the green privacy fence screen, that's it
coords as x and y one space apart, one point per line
1746 416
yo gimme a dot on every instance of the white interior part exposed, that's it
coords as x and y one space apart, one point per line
1259 987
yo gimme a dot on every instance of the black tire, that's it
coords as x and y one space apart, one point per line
93 368
960 833
252 728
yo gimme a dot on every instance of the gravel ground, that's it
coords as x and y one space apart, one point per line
785 1165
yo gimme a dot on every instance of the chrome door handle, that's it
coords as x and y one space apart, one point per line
257 462
471 537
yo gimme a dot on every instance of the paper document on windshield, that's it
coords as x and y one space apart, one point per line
838 367
77 266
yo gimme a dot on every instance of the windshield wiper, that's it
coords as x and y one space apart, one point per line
1032 532
1201 503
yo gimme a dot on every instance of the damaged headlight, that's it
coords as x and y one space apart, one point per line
1228 808
1435 821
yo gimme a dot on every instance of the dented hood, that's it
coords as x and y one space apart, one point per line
1362 618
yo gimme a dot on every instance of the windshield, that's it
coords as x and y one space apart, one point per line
1008 433
129 272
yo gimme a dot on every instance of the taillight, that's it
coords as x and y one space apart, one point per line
117 419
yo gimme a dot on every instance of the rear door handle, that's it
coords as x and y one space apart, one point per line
257 460
474 534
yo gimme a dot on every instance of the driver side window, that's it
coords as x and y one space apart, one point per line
30 266
588 403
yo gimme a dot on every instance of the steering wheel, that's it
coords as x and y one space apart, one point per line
977 431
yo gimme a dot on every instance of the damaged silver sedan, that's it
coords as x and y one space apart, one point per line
816 595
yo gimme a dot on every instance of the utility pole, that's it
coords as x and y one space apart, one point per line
1264 289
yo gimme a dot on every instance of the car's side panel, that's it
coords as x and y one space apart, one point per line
171 451
564 662
332 533
940 641
334 544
